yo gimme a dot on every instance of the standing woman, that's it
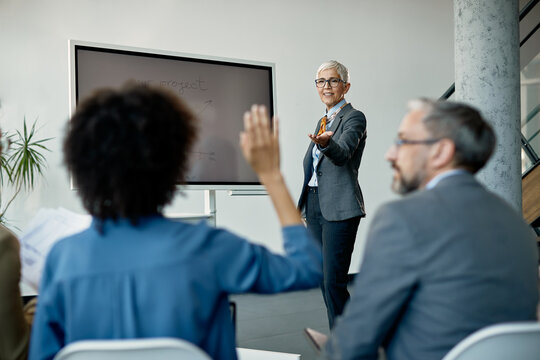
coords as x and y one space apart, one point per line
331 199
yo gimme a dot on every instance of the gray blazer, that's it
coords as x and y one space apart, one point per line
340 196
438 265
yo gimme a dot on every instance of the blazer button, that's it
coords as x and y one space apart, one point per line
319 173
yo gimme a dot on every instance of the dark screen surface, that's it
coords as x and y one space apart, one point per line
218 92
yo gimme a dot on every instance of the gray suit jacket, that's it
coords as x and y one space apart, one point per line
438 265
340 196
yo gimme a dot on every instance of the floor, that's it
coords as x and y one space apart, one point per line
277 322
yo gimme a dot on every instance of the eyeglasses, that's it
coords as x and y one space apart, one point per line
5 142
334 82
399 142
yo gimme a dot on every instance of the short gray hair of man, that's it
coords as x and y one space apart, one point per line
473 137
342 71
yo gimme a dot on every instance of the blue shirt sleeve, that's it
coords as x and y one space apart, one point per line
253 268
47 332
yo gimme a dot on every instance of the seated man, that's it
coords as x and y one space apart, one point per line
448 258
135 273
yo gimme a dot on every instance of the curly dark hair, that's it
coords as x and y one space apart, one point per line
127 149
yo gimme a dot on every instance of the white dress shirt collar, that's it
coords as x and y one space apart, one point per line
433 182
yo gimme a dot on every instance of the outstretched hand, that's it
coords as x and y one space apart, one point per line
322 139
260 145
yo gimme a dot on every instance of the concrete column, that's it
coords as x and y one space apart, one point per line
487 77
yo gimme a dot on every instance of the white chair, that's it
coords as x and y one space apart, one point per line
500 342
132 349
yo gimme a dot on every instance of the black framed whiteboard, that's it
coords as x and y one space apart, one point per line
218 90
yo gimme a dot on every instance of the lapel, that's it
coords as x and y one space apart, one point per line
339 117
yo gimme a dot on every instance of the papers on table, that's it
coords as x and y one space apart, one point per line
44 230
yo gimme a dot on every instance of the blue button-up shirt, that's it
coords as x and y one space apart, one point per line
161 278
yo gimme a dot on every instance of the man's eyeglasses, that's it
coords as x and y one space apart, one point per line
334 82
399 142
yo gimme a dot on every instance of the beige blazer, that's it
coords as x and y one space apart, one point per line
14 328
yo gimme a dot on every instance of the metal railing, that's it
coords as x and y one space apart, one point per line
525 141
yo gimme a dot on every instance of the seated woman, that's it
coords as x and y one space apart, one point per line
15 320
135 273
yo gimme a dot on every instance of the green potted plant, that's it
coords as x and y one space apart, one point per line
21 164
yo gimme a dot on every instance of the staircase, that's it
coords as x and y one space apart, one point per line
531 198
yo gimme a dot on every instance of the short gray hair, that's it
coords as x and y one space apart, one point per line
333 64
473 137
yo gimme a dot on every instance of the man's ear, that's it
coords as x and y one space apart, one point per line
443 153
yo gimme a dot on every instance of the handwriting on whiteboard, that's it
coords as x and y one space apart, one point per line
179 85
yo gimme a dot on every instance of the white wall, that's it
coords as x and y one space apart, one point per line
395 50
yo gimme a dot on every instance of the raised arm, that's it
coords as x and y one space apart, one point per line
260 146
255 268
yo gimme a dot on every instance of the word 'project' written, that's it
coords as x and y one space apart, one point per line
179 85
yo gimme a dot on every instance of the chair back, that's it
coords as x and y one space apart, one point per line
132 349
500 342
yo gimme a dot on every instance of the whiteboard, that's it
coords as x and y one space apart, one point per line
217 90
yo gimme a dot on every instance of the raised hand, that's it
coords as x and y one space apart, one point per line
260 145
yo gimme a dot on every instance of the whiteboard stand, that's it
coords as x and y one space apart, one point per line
249 192
210 206
209 214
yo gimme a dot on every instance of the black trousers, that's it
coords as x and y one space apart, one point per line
337 241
